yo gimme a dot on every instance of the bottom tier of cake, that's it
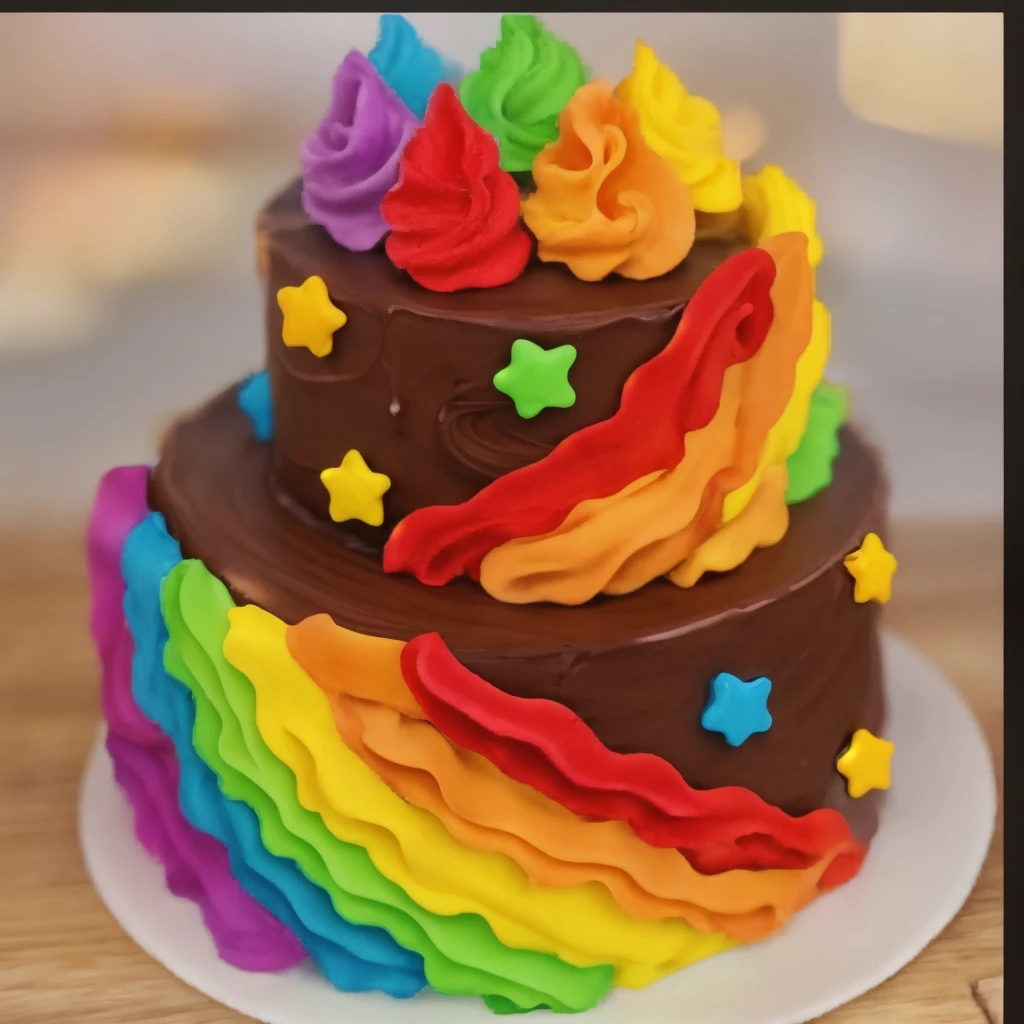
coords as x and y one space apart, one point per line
422 787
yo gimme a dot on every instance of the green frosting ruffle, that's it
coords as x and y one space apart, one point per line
461 954
810 466
523 83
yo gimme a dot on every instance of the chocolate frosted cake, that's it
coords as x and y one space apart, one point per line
514 632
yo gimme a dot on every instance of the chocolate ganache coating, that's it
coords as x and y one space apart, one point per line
636 668
409 380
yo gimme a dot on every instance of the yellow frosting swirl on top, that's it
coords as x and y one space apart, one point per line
774 203
684 129
605 201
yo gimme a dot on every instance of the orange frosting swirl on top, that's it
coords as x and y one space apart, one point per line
605 201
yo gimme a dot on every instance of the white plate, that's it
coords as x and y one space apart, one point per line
935 830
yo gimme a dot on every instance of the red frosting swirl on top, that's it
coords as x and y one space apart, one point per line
454 214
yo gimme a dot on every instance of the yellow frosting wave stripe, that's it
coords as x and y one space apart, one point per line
685 129
774 203
582 926
485 809
762 522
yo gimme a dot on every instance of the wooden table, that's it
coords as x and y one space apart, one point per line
63 957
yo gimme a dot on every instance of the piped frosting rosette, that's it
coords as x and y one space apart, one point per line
375 806
351 161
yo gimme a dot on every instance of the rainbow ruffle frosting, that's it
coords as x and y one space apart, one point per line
377 807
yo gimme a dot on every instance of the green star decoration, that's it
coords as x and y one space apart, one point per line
537 378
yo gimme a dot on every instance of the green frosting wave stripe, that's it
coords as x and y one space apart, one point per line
810 466
461 954
521 87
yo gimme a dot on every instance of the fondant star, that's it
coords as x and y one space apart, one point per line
872 567
737 709
865 763
254 401
355 490
537 378
310 318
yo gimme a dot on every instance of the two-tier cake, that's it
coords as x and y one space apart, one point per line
514 631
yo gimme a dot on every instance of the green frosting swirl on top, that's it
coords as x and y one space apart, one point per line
810 466
520 88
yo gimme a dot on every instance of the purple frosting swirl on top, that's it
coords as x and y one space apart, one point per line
352 158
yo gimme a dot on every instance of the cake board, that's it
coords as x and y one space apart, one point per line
936 824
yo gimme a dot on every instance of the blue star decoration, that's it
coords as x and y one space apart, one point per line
737 709
254 401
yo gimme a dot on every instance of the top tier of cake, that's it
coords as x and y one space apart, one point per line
539 331
409 381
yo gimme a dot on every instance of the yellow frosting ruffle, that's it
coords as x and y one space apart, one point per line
485 809
605 201
615 545
684 129
762 522
582 925
774 203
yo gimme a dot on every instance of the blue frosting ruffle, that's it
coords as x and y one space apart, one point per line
352 957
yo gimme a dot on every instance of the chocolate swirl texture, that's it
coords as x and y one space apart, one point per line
605 201
351 160
454 214
787 613
522 84
409 382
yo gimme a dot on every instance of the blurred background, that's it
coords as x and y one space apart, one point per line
135 150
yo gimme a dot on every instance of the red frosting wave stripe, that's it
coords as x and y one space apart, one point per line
664 399
545 745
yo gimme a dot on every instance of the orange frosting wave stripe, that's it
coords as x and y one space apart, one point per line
616 545
605 200
485 809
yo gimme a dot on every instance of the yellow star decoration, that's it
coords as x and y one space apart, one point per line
865 763
355 490
310 318
872 567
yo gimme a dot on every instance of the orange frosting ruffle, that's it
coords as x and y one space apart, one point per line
617 544
605 201
486 810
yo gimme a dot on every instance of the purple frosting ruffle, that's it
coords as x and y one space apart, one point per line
352 158
195 864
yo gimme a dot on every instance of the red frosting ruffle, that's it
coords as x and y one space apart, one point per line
664 399
454 214
545 745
